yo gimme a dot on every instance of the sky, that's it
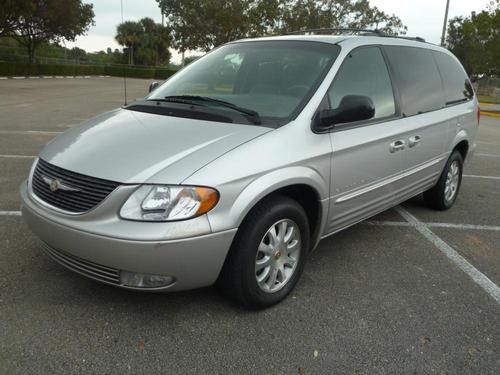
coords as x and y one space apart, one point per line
423 18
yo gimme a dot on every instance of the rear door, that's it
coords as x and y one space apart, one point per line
367 156
459 95
424 122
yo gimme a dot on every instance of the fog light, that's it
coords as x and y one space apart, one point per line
144 280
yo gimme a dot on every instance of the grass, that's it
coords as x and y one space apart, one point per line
489 99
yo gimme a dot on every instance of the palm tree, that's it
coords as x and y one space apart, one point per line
128 34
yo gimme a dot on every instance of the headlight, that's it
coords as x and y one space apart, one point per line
168 203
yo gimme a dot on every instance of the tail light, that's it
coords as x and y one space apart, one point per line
478 114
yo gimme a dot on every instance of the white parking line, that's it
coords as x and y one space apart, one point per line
463 226
479 278
10 213
483 177
17 156
28 132
434 225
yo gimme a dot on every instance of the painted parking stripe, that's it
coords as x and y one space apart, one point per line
483 177
434 225
477 276
17 156
10 213
463 226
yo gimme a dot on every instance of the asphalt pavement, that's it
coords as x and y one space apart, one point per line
411 291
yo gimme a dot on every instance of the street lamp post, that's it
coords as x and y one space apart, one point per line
445 22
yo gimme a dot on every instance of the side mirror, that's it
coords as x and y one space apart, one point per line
153 86
352 108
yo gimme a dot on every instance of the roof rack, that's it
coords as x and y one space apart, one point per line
352 31
336 30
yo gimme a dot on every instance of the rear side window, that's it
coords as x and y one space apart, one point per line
365 73
418 79
457 87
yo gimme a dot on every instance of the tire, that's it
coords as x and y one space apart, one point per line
444 194
254 243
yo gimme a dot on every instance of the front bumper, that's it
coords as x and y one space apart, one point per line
193 261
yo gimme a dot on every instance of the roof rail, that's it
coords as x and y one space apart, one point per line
353 31
417 38
335 30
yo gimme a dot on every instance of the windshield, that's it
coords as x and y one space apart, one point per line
274 79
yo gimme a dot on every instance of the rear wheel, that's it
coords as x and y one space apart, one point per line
443 195
268 254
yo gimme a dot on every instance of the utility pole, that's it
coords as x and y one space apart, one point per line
445 22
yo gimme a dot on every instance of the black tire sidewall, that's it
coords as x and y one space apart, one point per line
248 241
455 156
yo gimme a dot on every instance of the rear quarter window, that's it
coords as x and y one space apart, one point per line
417 78
457 87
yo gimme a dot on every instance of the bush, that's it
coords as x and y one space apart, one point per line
132 72
20 69
10 69
164 73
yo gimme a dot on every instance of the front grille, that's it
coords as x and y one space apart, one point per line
84 192
93 270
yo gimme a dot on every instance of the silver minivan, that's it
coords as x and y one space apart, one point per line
233 170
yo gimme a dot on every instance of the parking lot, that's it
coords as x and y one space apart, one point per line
411 291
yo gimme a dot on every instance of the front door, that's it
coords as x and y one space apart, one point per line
369 156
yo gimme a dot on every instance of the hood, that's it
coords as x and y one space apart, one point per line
135 147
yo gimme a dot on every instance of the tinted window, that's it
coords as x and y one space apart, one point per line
457 87
418 79
364 73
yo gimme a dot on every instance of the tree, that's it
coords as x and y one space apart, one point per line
10 11
475 40
128 35
203 25
77 54
40 21
146 42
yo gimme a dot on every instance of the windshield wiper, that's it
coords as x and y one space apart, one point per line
250 114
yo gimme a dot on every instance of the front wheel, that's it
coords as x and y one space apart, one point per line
268 254
443 195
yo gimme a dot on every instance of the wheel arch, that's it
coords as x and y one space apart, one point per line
461 143
462 147
302 184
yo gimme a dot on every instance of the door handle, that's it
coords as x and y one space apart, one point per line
397 146
415 140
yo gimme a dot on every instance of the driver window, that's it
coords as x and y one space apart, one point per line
364 72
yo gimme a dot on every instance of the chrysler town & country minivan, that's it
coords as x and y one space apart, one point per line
234 169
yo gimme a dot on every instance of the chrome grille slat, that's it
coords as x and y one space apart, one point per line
92 190
86 268
81 179
95 194
83 183
65 195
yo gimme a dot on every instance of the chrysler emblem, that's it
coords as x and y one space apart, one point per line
56 184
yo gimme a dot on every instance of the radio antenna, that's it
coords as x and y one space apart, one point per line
124 70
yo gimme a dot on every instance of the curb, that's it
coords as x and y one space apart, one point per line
53 77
